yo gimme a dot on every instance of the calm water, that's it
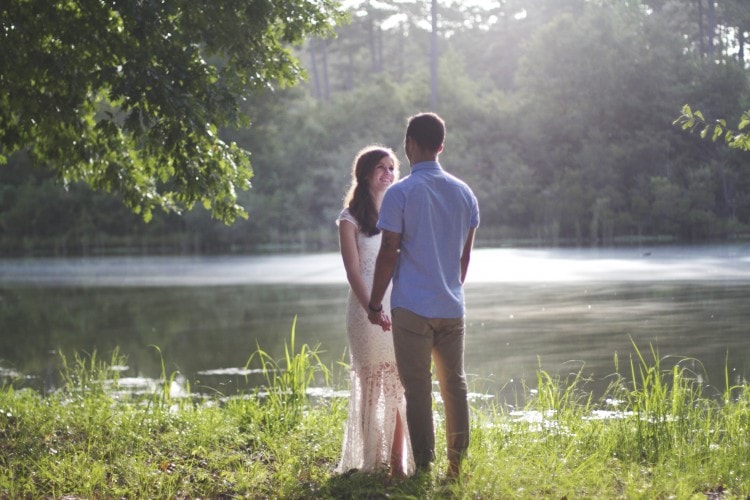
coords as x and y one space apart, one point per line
563 310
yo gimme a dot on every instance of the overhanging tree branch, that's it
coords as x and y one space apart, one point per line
129 96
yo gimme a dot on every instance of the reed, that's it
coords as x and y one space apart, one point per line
656 432
287 381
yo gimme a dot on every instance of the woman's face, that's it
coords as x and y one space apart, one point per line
383 174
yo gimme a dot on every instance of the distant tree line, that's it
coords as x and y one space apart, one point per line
559 112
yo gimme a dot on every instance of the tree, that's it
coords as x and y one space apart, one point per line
129 96
559 116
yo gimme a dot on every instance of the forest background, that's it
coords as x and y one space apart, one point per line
559 113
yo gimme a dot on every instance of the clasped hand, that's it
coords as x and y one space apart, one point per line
380 318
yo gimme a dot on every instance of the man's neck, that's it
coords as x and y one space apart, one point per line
420 158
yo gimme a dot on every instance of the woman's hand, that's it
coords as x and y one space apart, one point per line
379 318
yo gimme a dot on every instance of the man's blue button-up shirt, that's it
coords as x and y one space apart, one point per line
433 212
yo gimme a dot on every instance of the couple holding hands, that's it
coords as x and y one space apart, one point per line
406 247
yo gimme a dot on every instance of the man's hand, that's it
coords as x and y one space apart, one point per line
379 318
384 266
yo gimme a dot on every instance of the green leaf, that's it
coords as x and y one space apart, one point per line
717 133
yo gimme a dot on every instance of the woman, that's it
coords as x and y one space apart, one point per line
376 436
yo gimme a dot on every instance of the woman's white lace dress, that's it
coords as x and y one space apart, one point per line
377 397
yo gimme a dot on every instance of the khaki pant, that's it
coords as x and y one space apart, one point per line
418 340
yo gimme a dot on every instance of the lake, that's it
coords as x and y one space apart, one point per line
566 310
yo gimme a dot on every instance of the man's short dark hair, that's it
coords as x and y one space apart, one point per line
428 130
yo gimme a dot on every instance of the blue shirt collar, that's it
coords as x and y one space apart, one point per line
425 165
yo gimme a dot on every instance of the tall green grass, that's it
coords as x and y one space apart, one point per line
654 433
287 381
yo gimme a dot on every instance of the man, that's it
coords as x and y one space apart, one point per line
428 222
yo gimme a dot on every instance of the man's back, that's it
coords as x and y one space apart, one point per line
433 212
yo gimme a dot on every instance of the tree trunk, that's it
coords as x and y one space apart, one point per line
741 45
373 40
314 68
701 31
350 69
379 47
401 63
434 58
710 27
326 85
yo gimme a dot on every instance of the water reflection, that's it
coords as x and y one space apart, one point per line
569 311
573 328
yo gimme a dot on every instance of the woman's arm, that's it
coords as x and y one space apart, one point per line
350 255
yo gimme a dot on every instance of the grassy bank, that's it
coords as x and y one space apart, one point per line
655 434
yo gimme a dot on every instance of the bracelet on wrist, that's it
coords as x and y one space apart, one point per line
375 309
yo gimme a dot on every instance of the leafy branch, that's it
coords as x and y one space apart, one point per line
694 121
130 97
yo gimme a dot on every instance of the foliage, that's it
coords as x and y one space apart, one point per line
559 116
287 381
694 121
129 96
656 432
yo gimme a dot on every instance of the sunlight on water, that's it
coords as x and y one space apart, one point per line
232 371
138 385
488 265
573 265
10 374
175 271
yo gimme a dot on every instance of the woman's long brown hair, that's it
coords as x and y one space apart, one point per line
358 199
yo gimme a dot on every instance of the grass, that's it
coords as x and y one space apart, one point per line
654 434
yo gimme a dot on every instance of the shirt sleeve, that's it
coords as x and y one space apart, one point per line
391 216
346 215
474 212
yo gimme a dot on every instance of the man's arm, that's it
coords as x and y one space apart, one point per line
384 267
466 253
